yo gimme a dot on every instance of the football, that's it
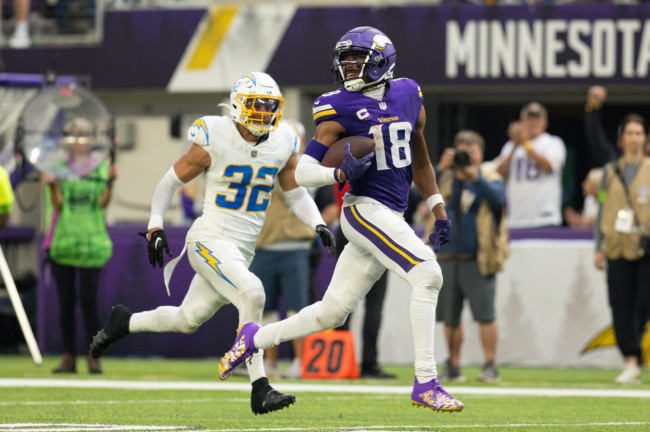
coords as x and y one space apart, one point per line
359 147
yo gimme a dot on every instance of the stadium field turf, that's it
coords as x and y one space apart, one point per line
137 394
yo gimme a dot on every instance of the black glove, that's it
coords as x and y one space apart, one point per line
155 247
327 238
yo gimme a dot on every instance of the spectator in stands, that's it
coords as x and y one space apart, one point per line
282 262
77 240
590 188
532 162
601 149
6 197
623 242
477 249
20 38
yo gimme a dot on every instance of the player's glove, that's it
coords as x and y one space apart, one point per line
327 238
440 234
155 246
353 167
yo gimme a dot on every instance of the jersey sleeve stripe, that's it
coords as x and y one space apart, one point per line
324 113
322 108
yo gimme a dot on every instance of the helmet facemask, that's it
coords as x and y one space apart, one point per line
259 113
256 103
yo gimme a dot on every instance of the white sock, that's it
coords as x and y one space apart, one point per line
160 320
297 326
256 367
424 299
22 28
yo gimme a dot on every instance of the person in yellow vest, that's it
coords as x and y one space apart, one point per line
478 247
623 241
6 197
282 262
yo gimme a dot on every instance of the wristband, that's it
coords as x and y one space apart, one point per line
316 150
528 145
434 200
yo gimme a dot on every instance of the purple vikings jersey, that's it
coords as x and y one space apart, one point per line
391 123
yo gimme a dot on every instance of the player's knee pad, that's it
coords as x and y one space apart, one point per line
186 322
425 276
191 314
250 304
330 314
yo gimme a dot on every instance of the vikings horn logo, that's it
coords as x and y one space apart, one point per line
607 338
380 42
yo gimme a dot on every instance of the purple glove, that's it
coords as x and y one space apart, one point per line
353 167
440 234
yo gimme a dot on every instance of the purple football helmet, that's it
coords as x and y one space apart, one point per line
378 64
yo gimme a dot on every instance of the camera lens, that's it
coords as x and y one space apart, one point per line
461 158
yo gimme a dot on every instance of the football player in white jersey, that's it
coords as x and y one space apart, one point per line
532 162
240 156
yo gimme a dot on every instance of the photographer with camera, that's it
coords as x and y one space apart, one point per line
532 162
623 241
477 249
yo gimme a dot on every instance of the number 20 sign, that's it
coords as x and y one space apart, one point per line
329 355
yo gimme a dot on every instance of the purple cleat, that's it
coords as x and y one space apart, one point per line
243 348
433 395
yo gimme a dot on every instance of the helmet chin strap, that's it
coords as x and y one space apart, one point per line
354 85
255 132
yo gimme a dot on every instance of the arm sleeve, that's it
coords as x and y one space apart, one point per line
311 173
304 207
162 197
600 148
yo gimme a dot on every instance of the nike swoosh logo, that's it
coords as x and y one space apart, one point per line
317 102
158 241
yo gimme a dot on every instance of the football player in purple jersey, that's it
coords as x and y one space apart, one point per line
371 103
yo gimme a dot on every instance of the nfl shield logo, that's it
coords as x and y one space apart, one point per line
383 105
254 153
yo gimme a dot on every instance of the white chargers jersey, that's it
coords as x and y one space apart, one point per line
534 197
239 181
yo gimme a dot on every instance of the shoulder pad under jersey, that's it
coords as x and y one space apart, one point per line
199 132
291 136
325 106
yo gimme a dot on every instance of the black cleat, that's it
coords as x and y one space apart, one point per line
267 399
115 329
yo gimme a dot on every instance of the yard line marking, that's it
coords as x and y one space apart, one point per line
52 427
175 401
385 428
323 388
73 427
110 402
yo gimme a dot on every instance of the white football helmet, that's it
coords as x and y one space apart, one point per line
256 103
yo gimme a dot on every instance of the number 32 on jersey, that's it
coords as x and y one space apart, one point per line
256 198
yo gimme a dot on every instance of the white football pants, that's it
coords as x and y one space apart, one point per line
222 277
379 239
